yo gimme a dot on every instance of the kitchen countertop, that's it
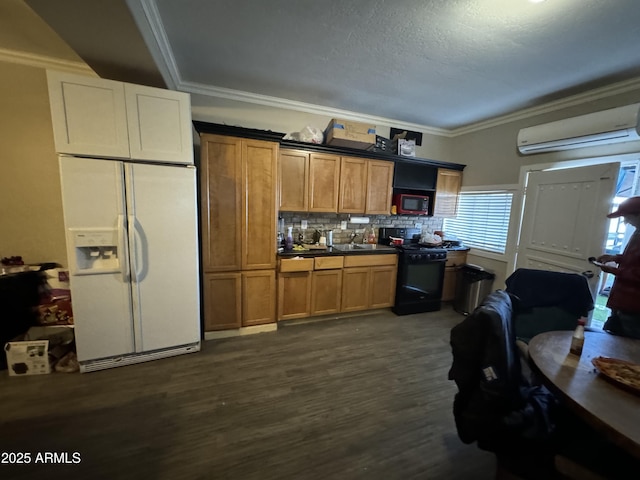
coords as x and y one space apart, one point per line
341 250
345 250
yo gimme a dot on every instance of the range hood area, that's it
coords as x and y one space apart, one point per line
414 176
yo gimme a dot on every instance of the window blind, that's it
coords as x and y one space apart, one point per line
482 220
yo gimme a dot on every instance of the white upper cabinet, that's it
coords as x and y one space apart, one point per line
103 118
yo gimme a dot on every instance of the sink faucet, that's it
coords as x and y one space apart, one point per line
352 237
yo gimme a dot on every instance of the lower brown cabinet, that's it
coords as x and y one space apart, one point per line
222 295
325 285
369 281
258 297
239 299
326 291
455 259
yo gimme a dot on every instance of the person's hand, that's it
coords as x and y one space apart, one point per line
608 269
606 258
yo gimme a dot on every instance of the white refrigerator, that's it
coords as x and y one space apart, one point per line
132 245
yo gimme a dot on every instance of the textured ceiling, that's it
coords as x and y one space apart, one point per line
437 63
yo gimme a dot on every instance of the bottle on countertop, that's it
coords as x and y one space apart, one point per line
577 340
288 242
371 238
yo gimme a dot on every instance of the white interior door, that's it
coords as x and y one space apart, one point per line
163 235
564 219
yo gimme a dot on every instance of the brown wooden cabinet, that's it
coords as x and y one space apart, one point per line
368 282
447 192
313 182
259 215
455 259
294 288
338 284
293 180
221 202
383 286
324 177
355 289
238 224
353 185
379 187
326 291
222 294
258 297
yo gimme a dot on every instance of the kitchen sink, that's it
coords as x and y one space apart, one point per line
361 246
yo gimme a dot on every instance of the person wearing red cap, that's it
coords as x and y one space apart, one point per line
624 298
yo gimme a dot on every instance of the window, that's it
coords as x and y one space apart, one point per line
483 220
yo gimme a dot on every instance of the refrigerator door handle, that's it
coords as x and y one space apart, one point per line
123 248
133 246
139 249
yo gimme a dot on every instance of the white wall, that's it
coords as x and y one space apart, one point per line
30 198
246 115
492 157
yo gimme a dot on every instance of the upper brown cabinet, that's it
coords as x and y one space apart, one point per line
379 187
447 192
324 177
294 180
313 182
353 185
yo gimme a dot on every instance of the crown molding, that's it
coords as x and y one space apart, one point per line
276 102
43 61
578 99
148 18
146 15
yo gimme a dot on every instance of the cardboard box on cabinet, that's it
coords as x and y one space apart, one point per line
346 133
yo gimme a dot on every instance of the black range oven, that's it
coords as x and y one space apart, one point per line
420 272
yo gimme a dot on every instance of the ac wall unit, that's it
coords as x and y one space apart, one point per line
600 128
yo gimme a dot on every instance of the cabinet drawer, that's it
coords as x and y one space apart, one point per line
328 263
296 265
370 260
455 259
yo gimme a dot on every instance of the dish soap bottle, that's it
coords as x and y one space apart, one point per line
577 340
288 242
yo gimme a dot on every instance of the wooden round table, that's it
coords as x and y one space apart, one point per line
606 406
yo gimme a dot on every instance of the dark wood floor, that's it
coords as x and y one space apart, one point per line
358 398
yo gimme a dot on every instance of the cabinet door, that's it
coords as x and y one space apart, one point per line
222 301
449 284
353 185
294 295
259 173
379 187
258 297
89 115
355 289
454 261
447 191
221 193
293 181
159 124
383 286
324 176
326 292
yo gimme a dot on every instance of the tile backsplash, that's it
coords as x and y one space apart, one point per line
333 221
